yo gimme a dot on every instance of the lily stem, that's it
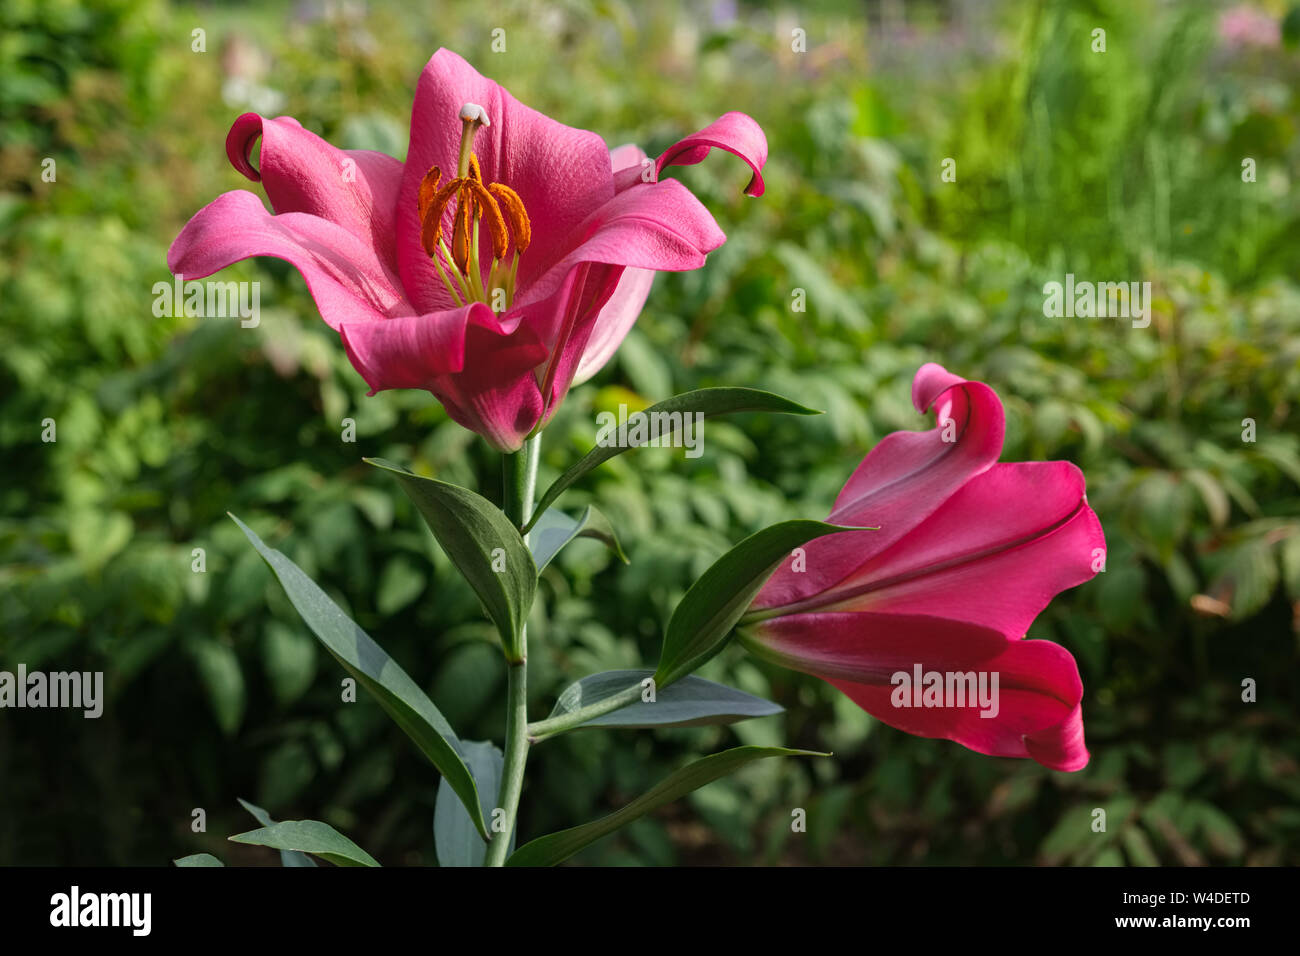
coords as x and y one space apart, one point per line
557 725
519 471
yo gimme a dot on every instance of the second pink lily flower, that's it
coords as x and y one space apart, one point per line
502 262
968 552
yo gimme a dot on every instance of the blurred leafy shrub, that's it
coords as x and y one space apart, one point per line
1122 166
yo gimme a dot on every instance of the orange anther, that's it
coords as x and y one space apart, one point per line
491 215
520 226
461 234
431 225
428 189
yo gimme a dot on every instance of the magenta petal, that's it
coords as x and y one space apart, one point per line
345 275
627 156
409 352
734 132
560 173
929 384
564 322
497 395
355 189
619 314
615 321
479 367
994 554
966 441
631 166
593 286
904 479
503 410
412 351
656 226
1038 712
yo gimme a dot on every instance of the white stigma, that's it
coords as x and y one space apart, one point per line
473 113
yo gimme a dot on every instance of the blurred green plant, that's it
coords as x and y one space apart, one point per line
1124 165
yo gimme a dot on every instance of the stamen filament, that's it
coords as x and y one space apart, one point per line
475 273
510 281
447 282
493 283
460 280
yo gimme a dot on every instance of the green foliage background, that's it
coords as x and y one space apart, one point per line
1123 165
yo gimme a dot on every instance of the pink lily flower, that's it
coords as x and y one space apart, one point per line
502 262
967 554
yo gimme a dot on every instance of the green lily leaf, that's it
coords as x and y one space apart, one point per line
198 859
557 847
702 622
691 702
309 836
457 843
706 401
287 857
368 663
554 529
483 543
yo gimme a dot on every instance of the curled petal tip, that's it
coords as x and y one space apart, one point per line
735 132
239 144
931 381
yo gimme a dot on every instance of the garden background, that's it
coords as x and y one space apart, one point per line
1125 165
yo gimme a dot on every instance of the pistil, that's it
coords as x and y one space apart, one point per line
472 116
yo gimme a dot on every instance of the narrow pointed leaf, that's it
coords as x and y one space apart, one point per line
706 401
483 543
198 859
554 529
557 847
456 840
287 857
691 702
702 622
309 836
366 661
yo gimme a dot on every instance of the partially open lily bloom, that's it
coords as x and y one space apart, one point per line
502 262
923 622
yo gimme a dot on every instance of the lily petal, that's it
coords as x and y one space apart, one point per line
655 226
572 311
344 273
629 163
620 313
903 481
615 321
1038 712
497 394
993 554
734 132
356 189
479 367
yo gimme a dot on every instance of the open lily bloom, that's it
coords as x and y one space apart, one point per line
503 261
922 622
